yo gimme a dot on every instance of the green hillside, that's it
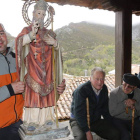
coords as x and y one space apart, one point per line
77 35
136 44
86 45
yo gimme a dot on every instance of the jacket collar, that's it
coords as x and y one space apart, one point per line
9 49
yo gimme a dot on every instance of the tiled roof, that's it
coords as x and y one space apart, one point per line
72 82
110 82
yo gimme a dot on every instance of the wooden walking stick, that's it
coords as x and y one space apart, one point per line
126 110
133 113
88 115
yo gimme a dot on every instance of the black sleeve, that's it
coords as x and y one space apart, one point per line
11 91
80 112
105 106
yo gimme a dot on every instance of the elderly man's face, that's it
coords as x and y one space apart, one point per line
97 80
127 88
3 41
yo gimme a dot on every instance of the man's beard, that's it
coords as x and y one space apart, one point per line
40 22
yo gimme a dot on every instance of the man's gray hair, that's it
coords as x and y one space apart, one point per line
97 69
2 27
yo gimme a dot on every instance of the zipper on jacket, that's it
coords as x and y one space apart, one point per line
15 107
11 82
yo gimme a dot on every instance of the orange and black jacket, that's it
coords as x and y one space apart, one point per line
11 105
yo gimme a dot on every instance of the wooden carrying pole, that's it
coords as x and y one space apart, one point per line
54 78
133 113
88 115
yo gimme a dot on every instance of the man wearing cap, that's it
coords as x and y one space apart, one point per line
11 99
122 98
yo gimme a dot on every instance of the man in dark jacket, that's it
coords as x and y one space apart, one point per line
11 99
97 93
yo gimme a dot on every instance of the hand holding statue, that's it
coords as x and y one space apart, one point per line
61 87
18 87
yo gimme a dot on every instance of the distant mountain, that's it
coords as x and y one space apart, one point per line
91 34
84 34
86 45
136 44
136 33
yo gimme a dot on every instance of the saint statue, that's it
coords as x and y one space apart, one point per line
34 49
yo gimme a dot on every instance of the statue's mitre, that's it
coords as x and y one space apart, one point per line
40 5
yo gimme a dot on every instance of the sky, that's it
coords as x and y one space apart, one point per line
11 16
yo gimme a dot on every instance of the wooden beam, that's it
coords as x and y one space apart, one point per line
123 43
106 5
93 4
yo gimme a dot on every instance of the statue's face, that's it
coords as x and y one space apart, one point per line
39 16
3 41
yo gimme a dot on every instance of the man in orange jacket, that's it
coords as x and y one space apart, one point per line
11 99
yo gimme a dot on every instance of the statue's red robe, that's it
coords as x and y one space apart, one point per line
39 77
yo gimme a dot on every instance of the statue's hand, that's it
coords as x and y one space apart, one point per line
35 27
50 40
32 34
34 31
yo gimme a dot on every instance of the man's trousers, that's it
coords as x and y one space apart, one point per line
102 128
10 132
125 127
